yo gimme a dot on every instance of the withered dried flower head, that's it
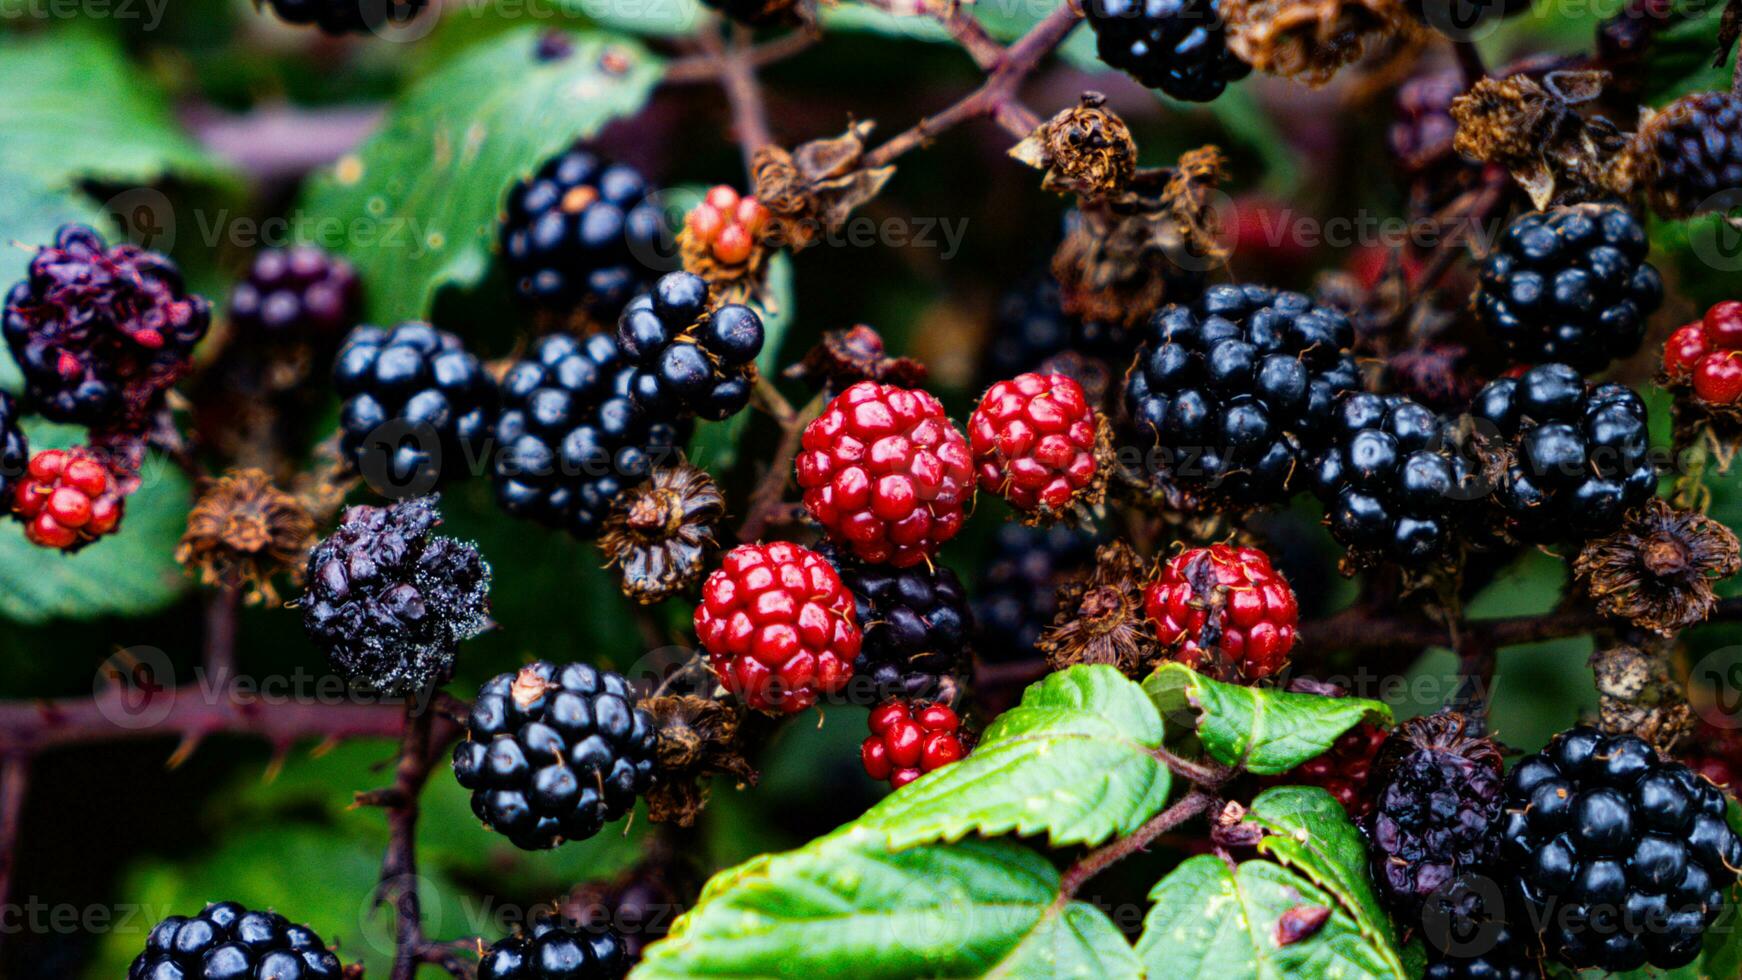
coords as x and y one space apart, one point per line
811 189
1309 40
844 357
695 738
1085 150
1657 570
1535 130
1100 618
659 533
243 531
1637 694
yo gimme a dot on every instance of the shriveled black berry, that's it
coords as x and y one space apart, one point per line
1017 594
418 407
916 624
581 234
14 448
299 293
229 942
389 602
1570 284
1693 154
1622 859
692 361
1178 46
554 752
1234 393
346 16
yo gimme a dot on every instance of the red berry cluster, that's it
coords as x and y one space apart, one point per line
1708 354
67 499
778 626
728 224
1034 442
1342 769
1224 610
909 739
884 471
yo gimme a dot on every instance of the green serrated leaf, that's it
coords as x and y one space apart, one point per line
1211 920
75 109
1261 730
1074 760
846 906
715 444
1682 58
420 199
130 573
1310 832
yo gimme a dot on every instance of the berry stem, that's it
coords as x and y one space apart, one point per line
220 647
1470 62
765 499
1104 857
743 92
1208 776
708 66
14 780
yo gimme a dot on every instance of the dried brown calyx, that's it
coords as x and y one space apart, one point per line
1309 40
810 190
1657 570
844 357
1085 150
1100 618
695 738
658 534
243 531
1536 131
1637 694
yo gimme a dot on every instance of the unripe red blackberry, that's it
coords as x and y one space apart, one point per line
909 739
727 225
1707 355
230 942
67 499
101 333
1343 769
886 474
1224 611
296 294
1034 440
779 626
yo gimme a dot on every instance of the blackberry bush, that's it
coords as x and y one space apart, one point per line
228 940
418 407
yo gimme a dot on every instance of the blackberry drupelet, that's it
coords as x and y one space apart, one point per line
571 437
689 360
418 407
1575 457
1690 155
1178 46
580 233
101 333
345 16
1236 390
916 626
1391 484
553 753
229 941
389 602
1569 284
1623 858
300 293
1018 591
1471 933
14 448
555 948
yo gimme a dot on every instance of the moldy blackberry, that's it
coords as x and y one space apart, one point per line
916 624
389 602
557 949
1575 457
1569 284
300 293
229 941
1017 595
14 448
1622 858
571 437
1178 46
579 233
418 406
689 360
1236 390
101 333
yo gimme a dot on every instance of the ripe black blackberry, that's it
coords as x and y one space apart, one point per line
1575 457
1236 390
1468 928
1436 803
300 294
916 626
1178 46
555 948
690 361
571 437
101 333
389 602
1569 284
1691 154
14 448
1392 484
553 753
1622 859
345 16
580 233
229 941
418 407
1018 591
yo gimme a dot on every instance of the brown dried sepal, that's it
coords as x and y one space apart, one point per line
810 190
1696 421
1100 618
1086 150
1637 694
844 357
695 738
1309 40
243 531
1535 131
659 534
1657 570
1443 731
